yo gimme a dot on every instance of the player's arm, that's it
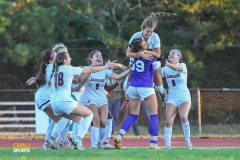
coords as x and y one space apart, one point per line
156 52
31 80
83 78
121 75
173 66
109 88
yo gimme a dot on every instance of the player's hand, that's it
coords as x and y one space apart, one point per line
119 81
166 62
147 56
112 64
31 80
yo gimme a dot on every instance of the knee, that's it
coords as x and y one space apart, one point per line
184 118
168 123
103 124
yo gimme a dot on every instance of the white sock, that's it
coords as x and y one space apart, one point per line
167 136
76 128
94 136
84 126
186 131
49 130
63 134
108 132
58 127
102 132
161 91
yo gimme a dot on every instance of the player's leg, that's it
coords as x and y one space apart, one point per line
183 111
170 114
127 123
106 138
152 105
159 85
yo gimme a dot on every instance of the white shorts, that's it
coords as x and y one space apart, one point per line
178 102
156 64
62 107
139 92
87 102
42 104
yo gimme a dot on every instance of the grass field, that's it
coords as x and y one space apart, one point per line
139 153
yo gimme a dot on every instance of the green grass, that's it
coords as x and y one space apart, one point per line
140 153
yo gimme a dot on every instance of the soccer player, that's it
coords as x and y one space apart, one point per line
141 87
61 100
179 99
94 96
154 48
43 94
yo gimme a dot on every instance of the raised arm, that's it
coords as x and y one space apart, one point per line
121 75
173 66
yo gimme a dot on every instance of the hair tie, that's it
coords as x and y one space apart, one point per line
52 55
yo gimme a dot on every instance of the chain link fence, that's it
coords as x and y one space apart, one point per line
214 113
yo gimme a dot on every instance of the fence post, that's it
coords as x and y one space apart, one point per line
199 113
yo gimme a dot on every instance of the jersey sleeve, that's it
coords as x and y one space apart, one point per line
75 70
108 73
133 36
184 67
157 43
163 71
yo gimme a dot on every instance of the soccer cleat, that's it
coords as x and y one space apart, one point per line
106 145
124 106
188 145
168 147
78 145
99 145
154 146
93 148
60 146
69 143
46 146
53 143
118 142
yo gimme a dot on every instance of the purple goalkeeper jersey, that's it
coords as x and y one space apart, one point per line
142 73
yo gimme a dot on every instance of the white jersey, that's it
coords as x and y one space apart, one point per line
153 40
176 80
44 92
94 86
64 82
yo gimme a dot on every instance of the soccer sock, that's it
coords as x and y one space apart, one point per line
94 136
153 129
161 91
167 136
76 128
58 127
127 124
186 131
108 130
63 134
84 126
101 133
49 130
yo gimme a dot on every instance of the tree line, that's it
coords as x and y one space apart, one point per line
206 31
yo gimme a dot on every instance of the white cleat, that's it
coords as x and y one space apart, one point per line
99 145
154 146
53 143
168 147
78 145
107 146
189 145
47 146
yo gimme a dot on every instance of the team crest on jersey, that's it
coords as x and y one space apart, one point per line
97 80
